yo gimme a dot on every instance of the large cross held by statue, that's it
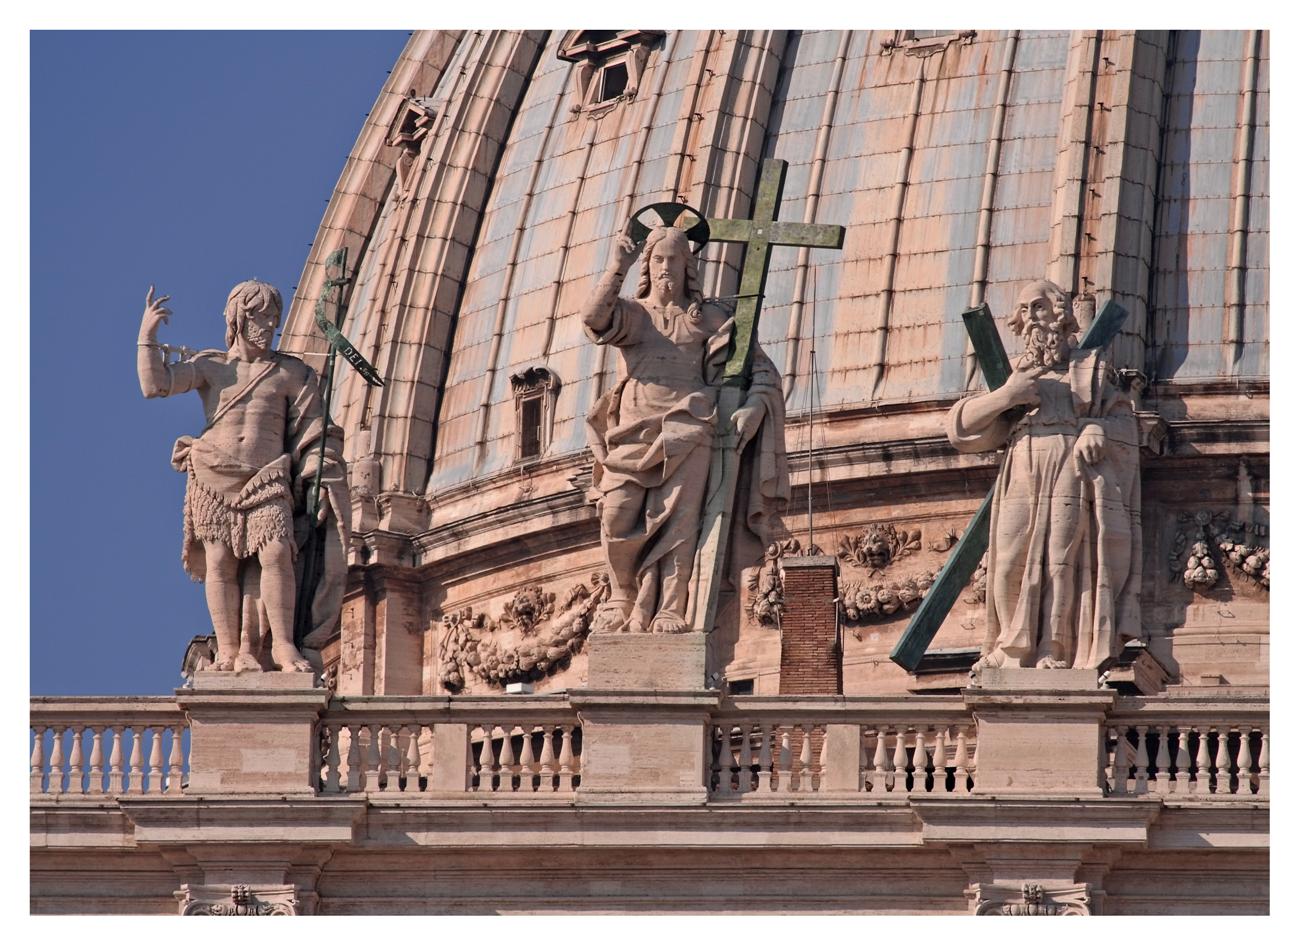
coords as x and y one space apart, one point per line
956 573
759 235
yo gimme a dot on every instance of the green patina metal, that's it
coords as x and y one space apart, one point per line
956 573
333 291
759 235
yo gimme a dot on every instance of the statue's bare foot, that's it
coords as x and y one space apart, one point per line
1048 662
222 664
288 660
610 618
993 660
665 622
246 662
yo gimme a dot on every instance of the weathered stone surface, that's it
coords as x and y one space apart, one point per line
637 662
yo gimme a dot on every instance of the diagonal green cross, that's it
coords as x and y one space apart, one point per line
758 235
956 573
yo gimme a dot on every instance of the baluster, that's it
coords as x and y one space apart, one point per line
486 760
1116 779
880 772
509 767
1202 762
56 762
74 762
155 760
176 762
527 765
962 784
744 782
821 759
1141 759
764 760
940 762
727 766
919 764
566 758
547 759
372 759
393 757
135 771
1264 761
804 782
333 759
412 760
1183 763
1162 761
784 769
898 782
116 777
974 761
1222 763
1244 777
354 773
97 760
38 760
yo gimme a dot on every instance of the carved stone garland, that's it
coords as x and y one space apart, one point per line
237 900
544 641
1216 543
875 549
1031 899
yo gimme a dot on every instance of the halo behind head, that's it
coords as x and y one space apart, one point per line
668 214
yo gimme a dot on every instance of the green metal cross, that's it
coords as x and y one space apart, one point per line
956 573
758 235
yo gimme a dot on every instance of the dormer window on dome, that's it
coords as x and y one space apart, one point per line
924 42
535 393
410 127
610 65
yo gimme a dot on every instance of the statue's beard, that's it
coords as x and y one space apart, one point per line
665 284
259 337
1044 347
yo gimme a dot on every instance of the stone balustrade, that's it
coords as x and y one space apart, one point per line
108 745
1188 749
779 748
880 746
484 745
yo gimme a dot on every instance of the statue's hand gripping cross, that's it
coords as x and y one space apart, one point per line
758 235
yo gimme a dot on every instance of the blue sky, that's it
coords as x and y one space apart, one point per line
191 160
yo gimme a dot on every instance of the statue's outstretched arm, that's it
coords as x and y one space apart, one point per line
597 311
157 377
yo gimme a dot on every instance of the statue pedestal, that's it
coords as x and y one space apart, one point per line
1041 731
644 719
646 661
253 733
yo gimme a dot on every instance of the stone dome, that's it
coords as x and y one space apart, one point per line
480 200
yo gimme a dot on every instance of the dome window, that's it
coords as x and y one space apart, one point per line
610 64
535 392
924 42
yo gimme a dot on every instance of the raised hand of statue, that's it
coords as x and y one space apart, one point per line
155 313
1020 388
746 421
625 250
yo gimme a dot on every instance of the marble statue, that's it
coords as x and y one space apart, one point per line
652 435
247 477
1064 560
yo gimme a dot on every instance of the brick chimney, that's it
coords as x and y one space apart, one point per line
810 662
